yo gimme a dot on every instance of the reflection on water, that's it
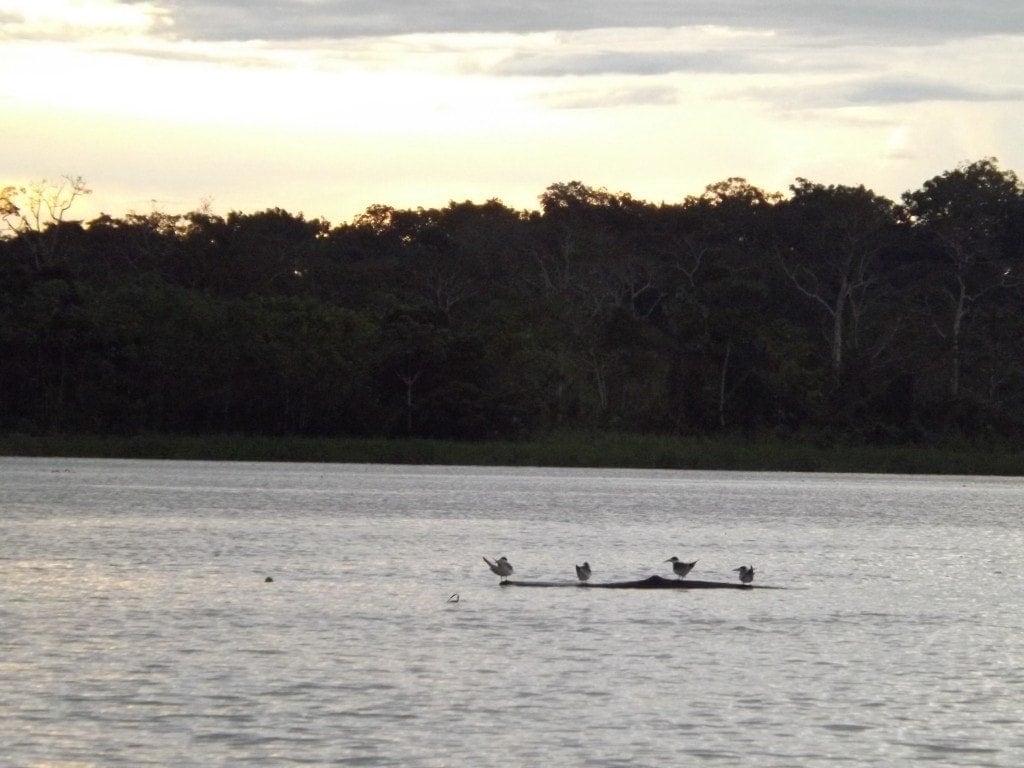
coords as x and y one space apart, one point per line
136 625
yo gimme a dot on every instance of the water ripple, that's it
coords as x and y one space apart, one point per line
136 629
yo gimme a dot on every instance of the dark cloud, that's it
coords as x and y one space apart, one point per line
910 90
906 21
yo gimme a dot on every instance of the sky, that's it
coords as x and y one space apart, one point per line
324 108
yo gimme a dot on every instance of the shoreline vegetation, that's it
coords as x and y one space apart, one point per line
578 450
828 315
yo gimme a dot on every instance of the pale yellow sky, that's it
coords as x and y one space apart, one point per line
152 114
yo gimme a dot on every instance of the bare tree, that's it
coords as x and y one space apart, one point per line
36 211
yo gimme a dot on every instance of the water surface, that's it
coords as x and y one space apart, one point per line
137 628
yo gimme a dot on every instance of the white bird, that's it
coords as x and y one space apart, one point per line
679 567
746 573
583 571
502 568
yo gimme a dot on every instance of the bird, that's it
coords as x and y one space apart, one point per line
502 568
679 567
583 571
746 573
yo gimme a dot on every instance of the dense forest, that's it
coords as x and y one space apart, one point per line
828 311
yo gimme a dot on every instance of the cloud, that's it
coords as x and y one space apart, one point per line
25 20
819 96
607 98
631 62
885 91
897 20
882 91
526 39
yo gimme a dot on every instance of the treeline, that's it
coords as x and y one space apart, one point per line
829 312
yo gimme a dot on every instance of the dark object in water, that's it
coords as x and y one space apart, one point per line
268 580
652 582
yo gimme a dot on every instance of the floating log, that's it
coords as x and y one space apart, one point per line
652 582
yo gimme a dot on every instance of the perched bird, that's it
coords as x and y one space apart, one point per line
746 573
502 568
679 567
583 571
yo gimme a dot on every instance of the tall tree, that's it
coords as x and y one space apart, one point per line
965 217
830 242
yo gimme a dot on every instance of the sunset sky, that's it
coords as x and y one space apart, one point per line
325 108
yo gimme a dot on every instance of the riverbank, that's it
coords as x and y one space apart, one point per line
564 450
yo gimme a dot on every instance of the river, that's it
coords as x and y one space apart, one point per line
159 613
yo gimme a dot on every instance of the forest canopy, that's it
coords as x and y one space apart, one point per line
827 310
